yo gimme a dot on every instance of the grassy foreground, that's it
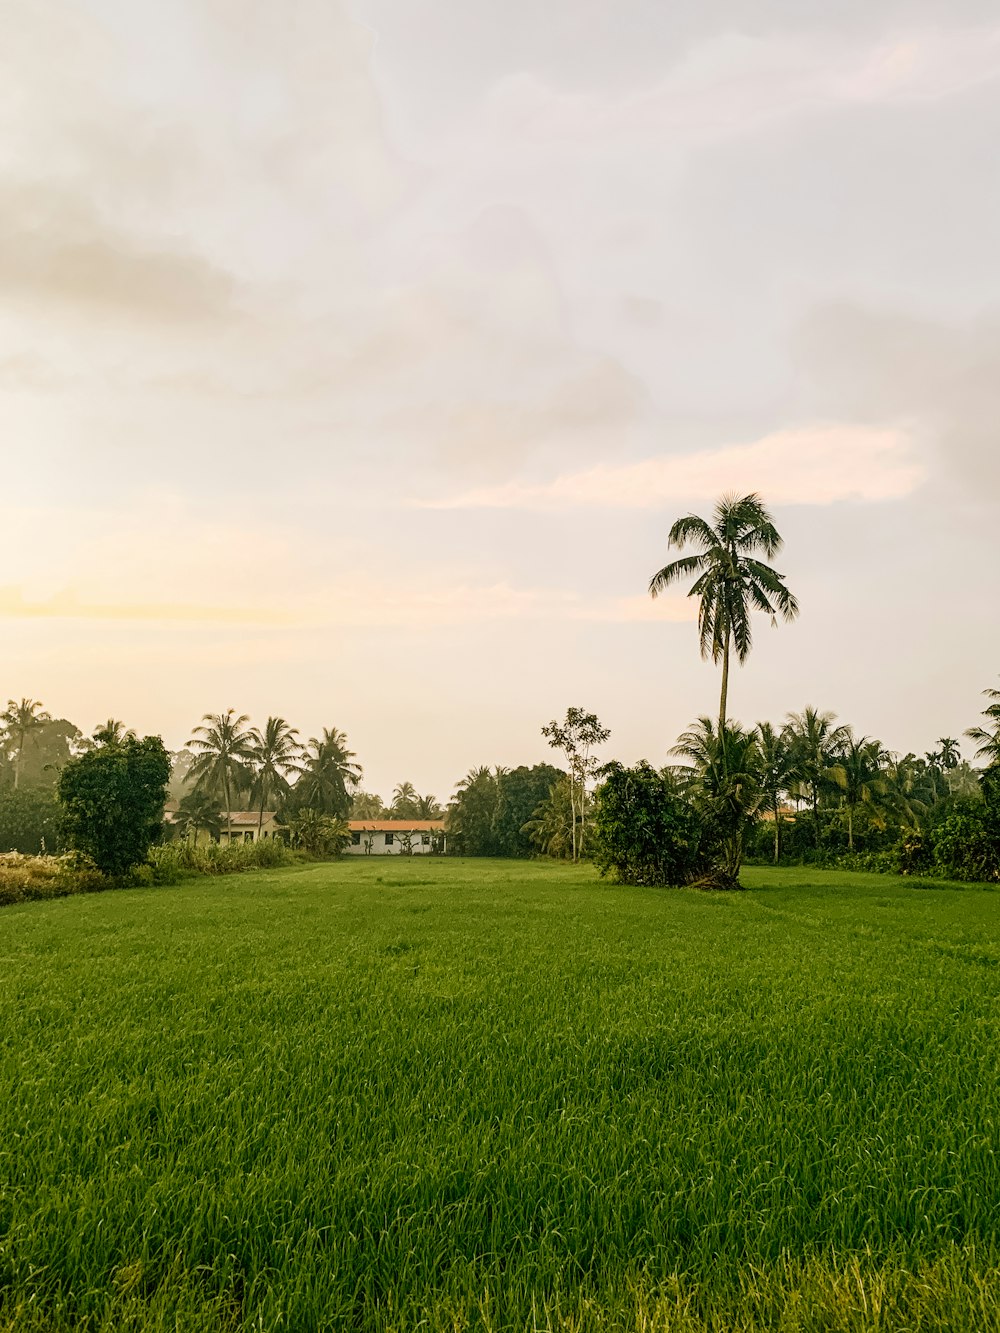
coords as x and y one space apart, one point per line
459 1095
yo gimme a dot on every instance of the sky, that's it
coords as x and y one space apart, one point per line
356 357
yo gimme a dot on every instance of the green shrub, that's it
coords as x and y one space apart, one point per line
112 798
645 830
24 878
179 860
967 844
29 820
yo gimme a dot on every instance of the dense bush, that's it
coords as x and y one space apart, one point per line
967 844
23 878
112 797
645 830
29 820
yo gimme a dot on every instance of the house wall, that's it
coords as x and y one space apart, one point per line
379 847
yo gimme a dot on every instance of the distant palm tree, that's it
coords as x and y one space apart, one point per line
365 805
19 721
428 808
223 748
328 775
907 789
404 801
274 753
859 773
198 811
777 772
816 743
731 582
111 732
725 784
949 753
988 741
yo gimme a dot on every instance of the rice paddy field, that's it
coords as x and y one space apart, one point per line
456 1095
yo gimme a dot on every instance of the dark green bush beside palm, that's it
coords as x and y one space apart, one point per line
645 829
725 789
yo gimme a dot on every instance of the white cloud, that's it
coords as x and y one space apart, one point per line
816 465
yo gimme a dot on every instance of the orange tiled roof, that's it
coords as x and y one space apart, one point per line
395 825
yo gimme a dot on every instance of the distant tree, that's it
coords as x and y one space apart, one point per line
223 748
577 736
47 748
29 820
816 742
364 805
731 581
949 754
777 772
428 807
405 802
273 755
111 732
858 771
472 812
524 790
20 720
551 826
328 775
725 790
112 799
180 771
646 829
198 812
319 834
988 738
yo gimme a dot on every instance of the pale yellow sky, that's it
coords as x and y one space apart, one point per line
356 358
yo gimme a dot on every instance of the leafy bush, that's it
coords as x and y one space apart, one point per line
319 834
967 844
113 798
29 820
645 829
23 878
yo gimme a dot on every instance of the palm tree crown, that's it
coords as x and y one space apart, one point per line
988 738
731 582
223 749
19 720
329 774
274 753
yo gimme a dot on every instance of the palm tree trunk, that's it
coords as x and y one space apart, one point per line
229 809
725 686
17 761
572 811
850 827
815 805
777 833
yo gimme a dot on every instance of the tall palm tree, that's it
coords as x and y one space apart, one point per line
816 743
988 741
428 807
328 774
274 753
777 772
19 721
731 582
859 773
725 784
223 748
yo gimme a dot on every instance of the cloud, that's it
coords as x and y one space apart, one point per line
815 465
72 604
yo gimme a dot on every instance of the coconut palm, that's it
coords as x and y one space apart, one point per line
365 805
329 775
19 720
988 741
731 582
816 743
726 785
111 732
428 808
777 772
859 773
949 754
404 801
198 811
274 753
223 748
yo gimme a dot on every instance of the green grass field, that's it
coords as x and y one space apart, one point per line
456 1095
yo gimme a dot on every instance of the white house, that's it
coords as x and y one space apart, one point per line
388 837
